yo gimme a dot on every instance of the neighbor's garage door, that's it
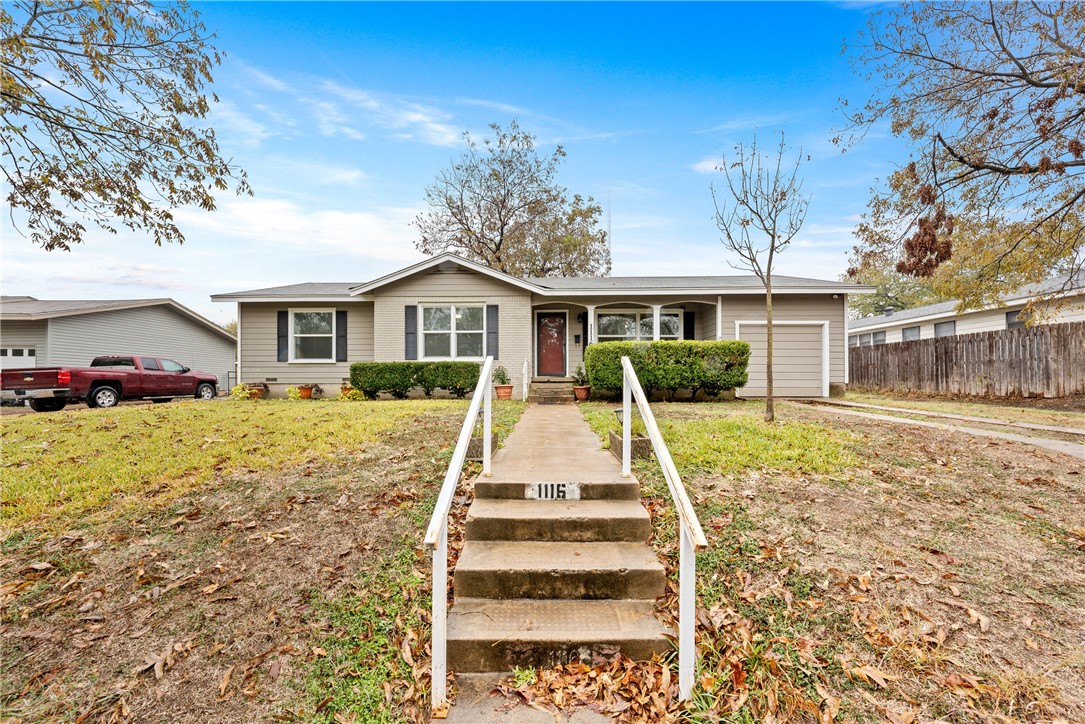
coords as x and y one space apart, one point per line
796 366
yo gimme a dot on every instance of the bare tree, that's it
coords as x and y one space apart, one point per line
764 212
990 97
499 205
98 105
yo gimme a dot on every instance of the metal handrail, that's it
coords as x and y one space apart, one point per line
692 538
526 384
436 539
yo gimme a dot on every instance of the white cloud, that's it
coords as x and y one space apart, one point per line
239 127
749 123
413 121
384 234
707 165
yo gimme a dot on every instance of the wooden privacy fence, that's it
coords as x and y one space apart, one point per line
1044 361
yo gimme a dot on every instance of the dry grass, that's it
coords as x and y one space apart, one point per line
232 594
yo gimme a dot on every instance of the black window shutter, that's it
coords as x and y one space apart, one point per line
340 335
491 330
584 329
284 337
410 332
688 332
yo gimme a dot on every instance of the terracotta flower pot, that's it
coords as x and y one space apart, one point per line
256 393
582 392
305 393
504 392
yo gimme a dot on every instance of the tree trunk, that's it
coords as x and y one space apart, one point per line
770 410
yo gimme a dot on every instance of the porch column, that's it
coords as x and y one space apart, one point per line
591 325
655 321
719 317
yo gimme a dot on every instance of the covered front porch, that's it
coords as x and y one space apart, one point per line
561 329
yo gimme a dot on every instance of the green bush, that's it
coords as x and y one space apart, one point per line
671 365
399 378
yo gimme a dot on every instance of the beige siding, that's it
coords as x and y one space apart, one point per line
456 287
259 343
25 334
158 331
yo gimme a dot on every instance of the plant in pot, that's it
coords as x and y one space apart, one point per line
502 384
581 388
250 391
307 392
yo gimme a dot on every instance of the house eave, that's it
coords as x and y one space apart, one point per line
274 299
437 261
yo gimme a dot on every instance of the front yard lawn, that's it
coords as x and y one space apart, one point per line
231 561
1065 412
873 571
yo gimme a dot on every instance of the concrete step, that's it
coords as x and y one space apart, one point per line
489 635
627 489
532 569
551 400
554 520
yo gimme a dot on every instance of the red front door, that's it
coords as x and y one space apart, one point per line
551 326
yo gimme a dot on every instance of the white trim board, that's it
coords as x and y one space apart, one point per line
824 324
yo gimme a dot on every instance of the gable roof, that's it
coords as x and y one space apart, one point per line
1061 286
444 261
548 286
31 310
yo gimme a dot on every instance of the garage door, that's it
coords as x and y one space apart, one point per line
796 364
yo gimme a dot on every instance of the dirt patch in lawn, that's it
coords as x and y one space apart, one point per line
221 604
957 561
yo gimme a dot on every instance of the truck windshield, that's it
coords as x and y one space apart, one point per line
112 362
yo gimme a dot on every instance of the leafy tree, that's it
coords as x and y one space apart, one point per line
991 99
894 291
98 104
499 205
231 326
764 212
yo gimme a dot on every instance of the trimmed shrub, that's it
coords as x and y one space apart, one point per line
671 365
399 378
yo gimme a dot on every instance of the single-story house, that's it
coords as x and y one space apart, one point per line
1062 300
447 307
54 332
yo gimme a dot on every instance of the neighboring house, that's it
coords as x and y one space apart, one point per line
52 332
447 307
1063 303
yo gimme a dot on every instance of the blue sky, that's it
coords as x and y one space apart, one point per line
343 113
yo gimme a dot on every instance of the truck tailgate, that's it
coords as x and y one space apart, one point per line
31 378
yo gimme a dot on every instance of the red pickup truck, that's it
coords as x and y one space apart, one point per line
107 381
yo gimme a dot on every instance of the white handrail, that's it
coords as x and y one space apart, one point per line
436 539
526 384
692 538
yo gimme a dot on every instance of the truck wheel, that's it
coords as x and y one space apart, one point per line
205 391
103 396
48 404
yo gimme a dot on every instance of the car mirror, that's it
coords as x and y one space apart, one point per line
185 370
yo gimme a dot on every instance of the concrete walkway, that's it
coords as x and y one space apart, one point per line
1073 449
555 442
550 442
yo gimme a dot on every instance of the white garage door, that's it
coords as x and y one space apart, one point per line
796 363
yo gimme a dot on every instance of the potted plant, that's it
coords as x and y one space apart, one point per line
502 384
250 391
581 388
307 392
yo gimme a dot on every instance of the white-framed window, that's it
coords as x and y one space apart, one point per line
1013 320
853 340
453 331
945 329
909 334
878 338
614 326
312 335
